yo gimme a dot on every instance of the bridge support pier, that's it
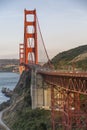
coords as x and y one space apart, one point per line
40 92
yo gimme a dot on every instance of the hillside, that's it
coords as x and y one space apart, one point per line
8 61
20 115
9 65
76 57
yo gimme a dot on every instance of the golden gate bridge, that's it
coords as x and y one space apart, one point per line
68 90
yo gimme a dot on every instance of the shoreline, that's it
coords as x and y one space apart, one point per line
7 78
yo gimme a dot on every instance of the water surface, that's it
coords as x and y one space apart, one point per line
8 80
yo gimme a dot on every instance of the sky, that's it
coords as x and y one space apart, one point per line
63 24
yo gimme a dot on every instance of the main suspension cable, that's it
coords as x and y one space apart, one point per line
43 41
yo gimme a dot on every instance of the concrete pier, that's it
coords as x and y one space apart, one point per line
40 91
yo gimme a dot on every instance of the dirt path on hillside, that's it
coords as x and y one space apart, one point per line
2 124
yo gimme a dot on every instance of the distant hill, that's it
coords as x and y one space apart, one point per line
9 62
9 65
73 58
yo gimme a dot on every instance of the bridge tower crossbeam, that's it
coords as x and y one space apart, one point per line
21 53
30 37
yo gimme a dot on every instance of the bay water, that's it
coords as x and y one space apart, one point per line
7 80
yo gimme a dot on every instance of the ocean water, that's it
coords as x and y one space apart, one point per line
8 80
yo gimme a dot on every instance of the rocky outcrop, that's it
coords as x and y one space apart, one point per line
7 92
20 98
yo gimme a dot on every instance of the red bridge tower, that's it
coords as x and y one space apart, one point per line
29 50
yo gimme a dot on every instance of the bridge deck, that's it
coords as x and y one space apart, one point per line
63 74
74 82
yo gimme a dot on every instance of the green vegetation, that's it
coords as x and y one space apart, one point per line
28 119
76 57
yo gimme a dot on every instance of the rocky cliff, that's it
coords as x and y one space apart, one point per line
20 116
